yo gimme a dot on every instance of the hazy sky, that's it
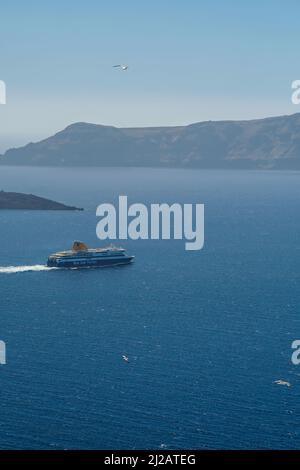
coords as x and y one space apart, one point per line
189 61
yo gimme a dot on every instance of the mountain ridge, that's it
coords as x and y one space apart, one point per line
267 143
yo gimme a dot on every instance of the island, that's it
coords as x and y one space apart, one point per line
271 143
20 201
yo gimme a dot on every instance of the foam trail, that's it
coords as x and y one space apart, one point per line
24 269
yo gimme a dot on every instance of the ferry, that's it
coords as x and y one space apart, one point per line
80 256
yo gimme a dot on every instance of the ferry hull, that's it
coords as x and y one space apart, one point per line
89 263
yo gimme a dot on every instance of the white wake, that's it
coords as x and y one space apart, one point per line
24 269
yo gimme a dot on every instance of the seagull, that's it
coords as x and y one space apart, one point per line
125 358
282 382
123 67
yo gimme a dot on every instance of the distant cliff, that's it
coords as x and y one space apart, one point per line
10 200
271 143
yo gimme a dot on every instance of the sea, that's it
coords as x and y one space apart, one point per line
207 333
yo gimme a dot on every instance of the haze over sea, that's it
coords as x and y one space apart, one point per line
206 332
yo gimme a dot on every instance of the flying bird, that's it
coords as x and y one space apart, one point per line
282 382
125 358
123 67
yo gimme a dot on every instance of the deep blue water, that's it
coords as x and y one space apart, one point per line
206 332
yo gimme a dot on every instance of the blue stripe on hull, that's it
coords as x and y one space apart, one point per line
87 263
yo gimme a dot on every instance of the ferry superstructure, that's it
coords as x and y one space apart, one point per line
80 256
